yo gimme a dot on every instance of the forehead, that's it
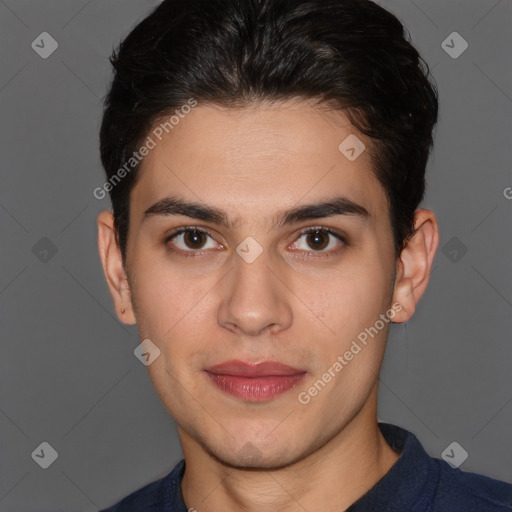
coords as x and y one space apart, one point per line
259 159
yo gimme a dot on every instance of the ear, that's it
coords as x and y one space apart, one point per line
113 268
415 263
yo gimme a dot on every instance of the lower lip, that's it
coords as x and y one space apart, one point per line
255 389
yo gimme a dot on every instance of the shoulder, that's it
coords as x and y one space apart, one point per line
463 491
420 482
158 496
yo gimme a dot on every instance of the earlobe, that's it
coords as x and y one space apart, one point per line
113 268
415 264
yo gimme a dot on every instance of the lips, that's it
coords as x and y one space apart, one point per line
257 382
262 369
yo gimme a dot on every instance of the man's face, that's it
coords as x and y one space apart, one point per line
301 302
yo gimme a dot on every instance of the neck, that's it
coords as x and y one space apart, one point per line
333 476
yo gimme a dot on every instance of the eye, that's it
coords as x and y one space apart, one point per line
193 240
319 240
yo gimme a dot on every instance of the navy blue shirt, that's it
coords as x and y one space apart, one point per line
415 483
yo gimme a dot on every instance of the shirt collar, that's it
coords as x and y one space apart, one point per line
409 485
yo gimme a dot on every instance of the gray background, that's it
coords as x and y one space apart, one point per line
68 373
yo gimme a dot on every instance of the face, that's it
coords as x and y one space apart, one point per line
254 239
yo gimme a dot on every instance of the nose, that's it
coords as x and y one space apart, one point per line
253 300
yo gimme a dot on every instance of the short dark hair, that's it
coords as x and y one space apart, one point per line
350 55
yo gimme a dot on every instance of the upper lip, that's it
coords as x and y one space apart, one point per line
261 369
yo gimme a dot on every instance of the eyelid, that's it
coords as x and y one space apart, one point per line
184 229
327 229
330 231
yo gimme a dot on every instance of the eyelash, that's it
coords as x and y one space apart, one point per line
319 254
322 254
180 231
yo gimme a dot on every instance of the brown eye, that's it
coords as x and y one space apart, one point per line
194 239
317 240
321 240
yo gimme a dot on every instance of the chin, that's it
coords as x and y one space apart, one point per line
251 457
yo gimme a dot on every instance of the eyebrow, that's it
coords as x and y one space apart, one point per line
329 208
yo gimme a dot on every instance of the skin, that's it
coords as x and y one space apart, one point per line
294 304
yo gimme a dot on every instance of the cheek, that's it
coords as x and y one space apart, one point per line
345 301
175 312
348 358
165 298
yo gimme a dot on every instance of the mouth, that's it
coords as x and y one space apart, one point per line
251 382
